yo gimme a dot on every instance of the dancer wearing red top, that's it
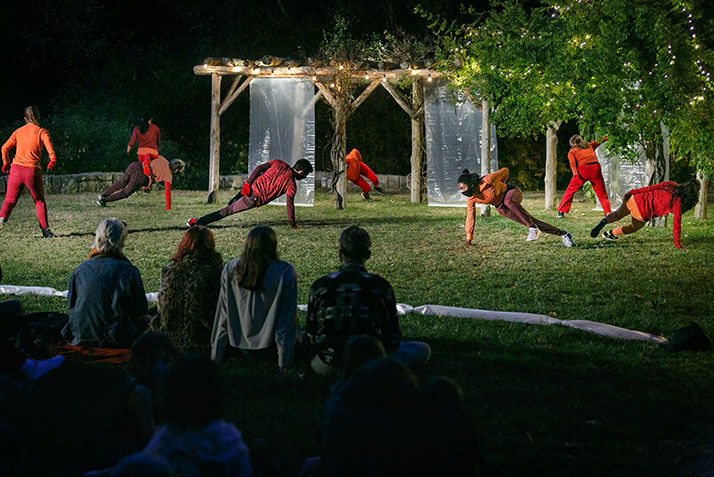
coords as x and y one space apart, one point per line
267 182
650 202
148 135
491 189
356 169
28 142
585 167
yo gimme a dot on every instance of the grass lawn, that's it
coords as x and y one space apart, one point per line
546 400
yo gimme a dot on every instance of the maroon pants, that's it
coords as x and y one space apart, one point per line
511 208
21 176
131 181
588 172
244 203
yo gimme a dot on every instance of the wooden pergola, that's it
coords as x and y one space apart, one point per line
325 78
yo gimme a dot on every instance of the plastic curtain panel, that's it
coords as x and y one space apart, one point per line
453 142
282 126
620 174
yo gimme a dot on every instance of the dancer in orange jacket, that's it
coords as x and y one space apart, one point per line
491 189
148 136
585 167
356 169
650 202
25 170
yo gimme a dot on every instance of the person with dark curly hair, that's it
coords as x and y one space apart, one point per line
134 178
647 203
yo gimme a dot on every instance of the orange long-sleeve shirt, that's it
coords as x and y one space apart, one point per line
28 142
581 156
491 190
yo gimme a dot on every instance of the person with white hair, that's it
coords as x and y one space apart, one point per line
106 298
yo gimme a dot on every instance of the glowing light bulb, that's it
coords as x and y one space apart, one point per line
429 79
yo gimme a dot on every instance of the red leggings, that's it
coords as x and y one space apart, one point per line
587 172
364 170
21 176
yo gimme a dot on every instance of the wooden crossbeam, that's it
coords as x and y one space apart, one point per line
309 72
398 98
365 94
234 94
326 93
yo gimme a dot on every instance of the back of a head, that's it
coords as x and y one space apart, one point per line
260 250
110 235
144 125
197 239
355 243
359 350
32 115
577 141
193 393
303 165
689 193
469 178
177 166
149 349
355 154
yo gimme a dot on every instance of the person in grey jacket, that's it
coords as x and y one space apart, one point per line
257 304
106 299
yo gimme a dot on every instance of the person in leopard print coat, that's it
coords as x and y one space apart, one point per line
189 291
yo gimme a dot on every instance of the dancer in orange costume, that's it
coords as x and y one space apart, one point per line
356 169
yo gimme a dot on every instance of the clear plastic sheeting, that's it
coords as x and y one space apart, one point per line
282 126
602 329
453 142
621 175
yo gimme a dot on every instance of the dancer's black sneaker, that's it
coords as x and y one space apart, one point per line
365 195
568 240
379 189
608 235
47 233
596 230
560 215
100 201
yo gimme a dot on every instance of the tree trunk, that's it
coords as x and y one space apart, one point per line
417 157
485 149
215 142
658 169
338 154
700 211
551 164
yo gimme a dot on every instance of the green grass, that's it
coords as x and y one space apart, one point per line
546 399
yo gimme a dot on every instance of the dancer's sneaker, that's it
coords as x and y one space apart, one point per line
560 215
533 234
596 230
191 222
608 235
568 240
100 201
2 222
47 233
365 195
379 189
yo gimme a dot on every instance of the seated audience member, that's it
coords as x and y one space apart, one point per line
353 302
106 299
257 305
141 464
195 441
151 356
359 350
189 291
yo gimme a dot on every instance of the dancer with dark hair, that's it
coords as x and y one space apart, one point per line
257 305
586 168
356 169
25 170
648 203
491 189
135 177
267 182
148 135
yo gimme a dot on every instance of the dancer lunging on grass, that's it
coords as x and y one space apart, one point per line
267 182
356 169
491 189
648 203
134 178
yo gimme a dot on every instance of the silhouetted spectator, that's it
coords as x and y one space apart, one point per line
257 306
106 299
351 302
189 291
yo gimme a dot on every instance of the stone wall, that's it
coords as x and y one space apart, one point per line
98 181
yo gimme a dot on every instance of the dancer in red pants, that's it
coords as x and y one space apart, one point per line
149 135
585 167
491 189
25 170
649 202
356 169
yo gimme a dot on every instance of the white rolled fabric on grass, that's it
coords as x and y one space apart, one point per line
598 328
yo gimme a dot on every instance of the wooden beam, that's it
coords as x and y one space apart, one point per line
229 100
365 94
233 86
398 98
312 104
215 140
326 93
309 71
473 100
485 148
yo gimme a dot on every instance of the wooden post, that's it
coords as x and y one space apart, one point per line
551 163
417 157
338 153
485 149
700 211
215 147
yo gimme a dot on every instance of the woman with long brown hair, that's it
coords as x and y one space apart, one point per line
189 291
257 306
